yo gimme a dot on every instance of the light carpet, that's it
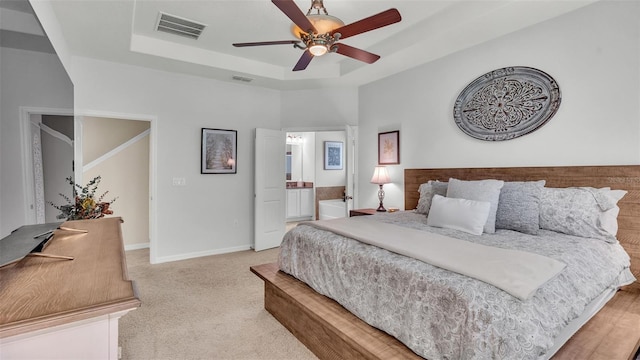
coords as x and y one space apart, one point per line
205 308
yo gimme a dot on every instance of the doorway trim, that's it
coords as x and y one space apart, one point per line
354 154
153 143
27 157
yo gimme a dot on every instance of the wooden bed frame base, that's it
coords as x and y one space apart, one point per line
332 332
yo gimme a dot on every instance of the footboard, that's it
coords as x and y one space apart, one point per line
332 332
323 325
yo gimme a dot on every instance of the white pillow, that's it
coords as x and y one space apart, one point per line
581 211
609 221
478 190
609 218
458 214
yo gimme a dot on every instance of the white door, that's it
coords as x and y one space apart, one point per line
351 155
270 196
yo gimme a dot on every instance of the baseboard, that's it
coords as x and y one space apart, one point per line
136 246
163 259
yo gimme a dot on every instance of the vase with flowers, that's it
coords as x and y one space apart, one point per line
84 204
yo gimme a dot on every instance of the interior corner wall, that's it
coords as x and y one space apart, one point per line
211 213
594 55
30 79
320 108
47 18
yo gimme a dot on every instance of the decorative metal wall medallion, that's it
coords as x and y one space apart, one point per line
507 103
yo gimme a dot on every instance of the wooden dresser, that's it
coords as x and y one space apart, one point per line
56 308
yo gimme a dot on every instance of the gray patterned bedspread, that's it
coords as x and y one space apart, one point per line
444 315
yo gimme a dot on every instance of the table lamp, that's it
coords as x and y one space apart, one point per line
380 177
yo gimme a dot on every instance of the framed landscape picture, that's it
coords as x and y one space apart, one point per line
389 148
218 155
333 155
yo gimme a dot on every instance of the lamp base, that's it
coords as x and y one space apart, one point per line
381 197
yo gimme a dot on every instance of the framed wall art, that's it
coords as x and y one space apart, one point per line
218 154
389 148
333 155
507 103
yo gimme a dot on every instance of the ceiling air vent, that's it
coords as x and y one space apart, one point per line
179 26
241 78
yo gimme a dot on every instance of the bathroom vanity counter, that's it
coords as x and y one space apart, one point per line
299 185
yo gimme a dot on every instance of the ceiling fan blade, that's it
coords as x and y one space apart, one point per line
305 59
377 21
261 43
357 54
293 12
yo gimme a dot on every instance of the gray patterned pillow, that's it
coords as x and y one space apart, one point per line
427 191
519 206
578 211
478 190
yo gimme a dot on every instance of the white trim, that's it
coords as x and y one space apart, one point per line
116 150
136 246
77 150
56 134
316 128
202 253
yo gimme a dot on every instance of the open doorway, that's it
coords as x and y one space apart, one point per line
271 185
57 160
118 150
329 189
48 158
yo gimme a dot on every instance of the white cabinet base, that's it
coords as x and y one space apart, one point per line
300 204
95 338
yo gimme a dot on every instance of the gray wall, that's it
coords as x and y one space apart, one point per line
28 79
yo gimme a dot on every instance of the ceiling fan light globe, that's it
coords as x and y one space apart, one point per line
323 24
318 50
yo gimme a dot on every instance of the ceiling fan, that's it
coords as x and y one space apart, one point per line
319 33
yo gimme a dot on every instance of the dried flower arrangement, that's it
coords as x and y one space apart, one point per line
84 204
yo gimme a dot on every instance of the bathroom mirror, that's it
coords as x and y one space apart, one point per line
294 162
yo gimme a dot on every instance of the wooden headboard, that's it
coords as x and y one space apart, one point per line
625 177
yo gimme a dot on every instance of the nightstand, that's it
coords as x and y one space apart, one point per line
361 212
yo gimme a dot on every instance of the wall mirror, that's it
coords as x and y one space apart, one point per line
294 162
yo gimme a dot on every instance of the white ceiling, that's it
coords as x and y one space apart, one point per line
123 31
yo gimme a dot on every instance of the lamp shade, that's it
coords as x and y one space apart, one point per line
380 176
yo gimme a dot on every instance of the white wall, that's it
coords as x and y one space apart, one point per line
30 79
593 53
329 177
308 156
319 108
212 213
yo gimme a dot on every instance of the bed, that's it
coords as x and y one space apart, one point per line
319 321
